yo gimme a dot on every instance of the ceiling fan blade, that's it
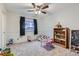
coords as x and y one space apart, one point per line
38 7
30 10
43 12
33 5
44 7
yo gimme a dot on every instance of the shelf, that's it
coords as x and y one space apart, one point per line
61 39
60 45
61 36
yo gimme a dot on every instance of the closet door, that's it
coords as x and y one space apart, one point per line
3 29
0 32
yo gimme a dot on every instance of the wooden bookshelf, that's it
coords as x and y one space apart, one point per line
61 37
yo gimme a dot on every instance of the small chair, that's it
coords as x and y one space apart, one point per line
43 39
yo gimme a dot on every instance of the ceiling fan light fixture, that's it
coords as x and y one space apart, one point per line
39 9
37 12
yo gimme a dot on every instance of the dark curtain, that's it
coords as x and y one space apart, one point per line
35 27
22 26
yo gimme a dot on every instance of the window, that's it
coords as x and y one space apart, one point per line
29 25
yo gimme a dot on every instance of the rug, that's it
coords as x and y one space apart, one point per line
48 46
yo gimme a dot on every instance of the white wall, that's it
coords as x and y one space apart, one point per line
48 25
13 27
68 17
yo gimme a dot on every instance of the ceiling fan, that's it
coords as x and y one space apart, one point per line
39 8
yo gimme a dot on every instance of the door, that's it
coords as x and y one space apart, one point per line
0 32
3 29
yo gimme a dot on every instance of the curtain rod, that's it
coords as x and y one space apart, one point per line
30 18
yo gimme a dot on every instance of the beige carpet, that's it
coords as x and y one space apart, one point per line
34 49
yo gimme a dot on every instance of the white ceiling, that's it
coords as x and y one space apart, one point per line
23 7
